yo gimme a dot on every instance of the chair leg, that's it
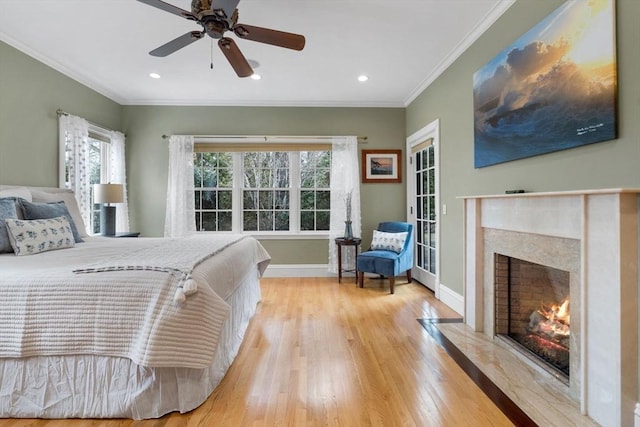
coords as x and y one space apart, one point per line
361 278
409 275
392 281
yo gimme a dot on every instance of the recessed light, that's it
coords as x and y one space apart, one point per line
363 78
154 75
255 76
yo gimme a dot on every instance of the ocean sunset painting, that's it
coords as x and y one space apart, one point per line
553 89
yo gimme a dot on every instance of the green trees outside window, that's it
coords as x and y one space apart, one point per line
275 191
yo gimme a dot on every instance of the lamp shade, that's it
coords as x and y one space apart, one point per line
108 193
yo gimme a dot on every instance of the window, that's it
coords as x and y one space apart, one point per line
98 166
315 193
266 191
262 191
89 154
213 179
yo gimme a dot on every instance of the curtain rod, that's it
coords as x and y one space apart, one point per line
61 112
270 138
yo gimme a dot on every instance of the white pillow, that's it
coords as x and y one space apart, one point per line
30 237
69 200
388 241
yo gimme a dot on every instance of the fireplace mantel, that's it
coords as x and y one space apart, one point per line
557 193
601 227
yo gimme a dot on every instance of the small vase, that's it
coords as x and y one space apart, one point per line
348 231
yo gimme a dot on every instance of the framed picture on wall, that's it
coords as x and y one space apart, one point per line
553 89
382 166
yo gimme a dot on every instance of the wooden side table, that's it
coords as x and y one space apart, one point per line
340 242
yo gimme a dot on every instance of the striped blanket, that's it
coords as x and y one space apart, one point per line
127 307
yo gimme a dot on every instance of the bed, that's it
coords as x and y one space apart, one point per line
121 327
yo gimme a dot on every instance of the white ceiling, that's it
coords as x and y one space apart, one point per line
402 45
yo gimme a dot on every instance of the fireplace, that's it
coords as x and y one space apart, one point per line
592 237
532 311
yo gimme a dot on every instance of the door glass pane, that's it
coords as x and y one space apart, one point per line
426 210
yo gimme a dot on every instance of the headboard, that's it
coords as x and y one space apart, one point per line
47 195
43 189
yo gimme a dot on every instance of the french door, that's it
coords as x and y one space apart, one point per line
423 202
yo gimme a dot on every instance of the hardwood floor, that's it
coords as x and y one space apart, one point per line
319 353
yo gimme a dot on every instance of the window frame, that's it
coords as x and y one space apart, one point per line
102 136
294 188
105 168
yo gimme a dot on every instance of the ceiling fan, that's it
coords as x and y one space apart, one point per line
216 17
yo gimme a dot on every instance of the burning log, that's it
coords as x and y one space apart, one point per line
552 323
548 334
553 353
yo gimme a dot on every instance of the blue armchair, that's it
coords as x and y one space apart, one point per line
388 260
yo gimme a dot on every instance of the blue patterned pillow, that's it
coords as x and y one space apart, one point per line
39 235
7 211
49 210
388 241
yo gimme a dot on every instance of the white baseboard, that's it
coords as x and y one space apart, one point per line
298 270
636 413
454 300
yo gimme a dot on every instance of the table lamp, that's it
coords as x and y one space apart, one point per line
107 194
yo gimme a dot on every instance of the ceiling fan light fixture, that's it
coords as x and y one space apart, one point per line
363 78
154 75
255 76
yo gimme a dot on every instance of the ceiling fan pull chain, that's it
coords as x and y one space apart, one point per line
212 54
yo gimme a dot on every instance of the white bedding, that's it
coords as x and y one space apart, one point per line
166 364
128 313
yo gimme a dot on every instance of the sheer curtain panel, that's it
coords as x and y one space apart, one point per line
345 182
118 176
180 219
74 152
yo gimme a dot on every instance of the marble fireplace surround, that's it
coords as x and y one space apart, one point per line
593 235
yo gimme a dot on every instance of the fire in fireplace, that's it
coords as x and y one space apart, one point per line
533 309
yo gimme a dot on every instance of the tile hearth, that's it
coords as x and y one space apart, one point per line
533 390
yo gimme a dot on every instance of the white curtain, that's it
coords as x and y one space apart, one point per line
74 140
345 180
180 217
118 176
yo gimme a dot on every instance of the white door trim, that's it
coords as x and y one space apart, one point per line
431 130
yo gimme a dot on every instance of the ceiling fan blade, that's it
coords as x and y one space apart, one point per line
170 8
227 6
273 37
235 57
177 43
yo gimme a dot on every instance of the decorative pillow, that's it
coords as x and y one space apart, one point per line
17 194
388 241
49 210
39 235
69 199
7 211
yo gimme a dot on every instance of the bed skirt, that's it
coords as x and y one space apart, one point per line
86 386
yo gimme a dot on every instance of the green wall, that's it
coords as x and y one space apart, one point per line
30 94
609 164
148 157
